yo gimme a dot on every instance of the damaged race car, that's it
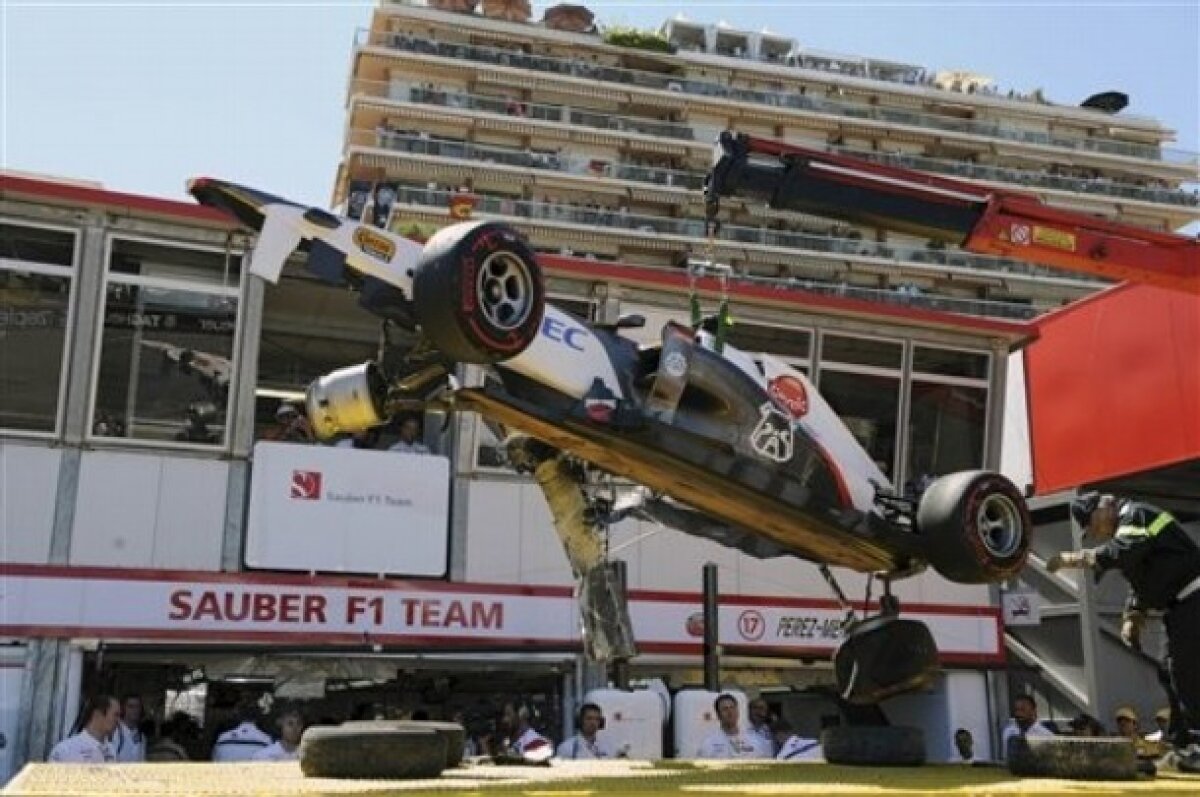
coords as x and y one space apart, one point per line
731 447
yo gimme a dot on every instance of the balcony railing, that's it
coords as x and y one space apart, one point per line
510 107
530 159
779 99
405 93
1019 177
620 219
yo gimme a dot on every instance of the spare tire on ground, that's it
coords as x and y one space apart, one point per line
1073 758
454 734
874 745
377 752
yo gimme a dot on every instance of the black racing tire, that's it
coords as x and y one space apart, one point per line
454 734
874 745
479 293
385 753
1073 758
975 526
884 656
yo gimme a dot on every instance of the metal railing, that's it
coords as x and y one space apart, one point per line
556 161
403 92
780 99
620 219
416 143
406 93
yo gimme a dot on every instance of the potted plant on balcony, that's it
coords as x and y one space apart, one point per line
637 39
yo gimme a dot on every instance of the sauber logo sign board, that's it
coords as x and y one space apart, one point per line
129 604
345 510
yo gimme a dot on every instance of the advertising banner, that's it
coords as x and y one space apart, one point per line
346 510
110 603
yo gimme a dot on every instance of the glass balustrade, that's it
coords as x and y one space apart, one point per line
778 99
694 228
695 180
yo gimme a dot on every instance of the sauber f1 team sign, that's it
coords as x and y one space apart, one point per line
128 604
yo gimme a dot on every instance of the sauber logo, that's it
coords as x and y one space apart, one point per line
375 244
789 393
306 485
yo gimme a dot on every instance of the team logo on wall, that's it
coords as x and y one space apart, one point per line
375 244
694 626
772 436
789 393
306 485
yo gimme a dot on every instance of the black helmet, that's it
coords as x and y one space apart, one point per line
1083 507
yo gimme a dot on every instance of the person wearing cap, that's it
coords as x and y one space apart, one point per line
1162 721
292 426
1127 722
1162 565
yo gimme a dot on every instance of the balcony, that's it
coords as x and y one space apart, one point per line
693 180
919 259
788 100
416 144
515 108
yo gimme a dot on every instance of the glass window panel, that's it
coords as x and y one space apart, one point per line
199 266
165 365
786 343
33 334
868 405
945 429
861 351
950 362
36 245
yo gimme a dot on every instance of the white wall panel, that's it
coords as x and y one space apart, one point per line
511 539
149 510
28 484
493 532
191 514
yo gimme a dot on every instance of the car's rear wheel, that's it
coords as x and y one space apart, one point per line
975 526
479 293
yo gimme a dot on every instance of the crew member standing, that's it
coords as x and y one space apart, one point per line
1162 565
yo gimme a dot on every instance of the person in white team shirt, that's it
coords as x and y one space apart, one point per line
244 741
128 741
523 740
287 748
760 726
90 745
588 743
794 747
729 740
1024 722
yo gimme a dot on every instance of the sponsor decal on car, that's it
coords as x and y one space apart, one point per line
374 244
675 364
790 394
772 435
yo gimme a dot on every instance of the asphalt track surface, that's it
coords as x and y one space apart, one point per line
572 779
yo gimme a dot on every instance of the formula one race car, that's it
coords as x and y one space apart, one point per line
733 448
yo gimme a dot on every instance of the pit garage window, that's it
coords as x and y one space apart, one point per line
947 416
166 356
37 264
860 378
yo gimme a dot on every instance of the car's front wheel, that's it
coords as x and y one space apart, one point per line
975 526
479 293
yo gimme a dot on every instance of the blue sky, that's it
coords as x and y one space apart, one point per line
143 95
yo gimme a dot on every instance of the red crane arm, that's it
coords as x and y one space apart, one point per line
976 218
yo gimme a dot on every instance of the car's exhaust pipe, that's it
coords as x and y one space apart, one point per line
347 401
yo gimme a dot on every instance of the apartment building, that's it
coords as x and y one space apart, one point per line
601 150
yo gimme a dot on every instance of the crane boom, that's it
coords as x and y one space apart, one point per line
975 218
